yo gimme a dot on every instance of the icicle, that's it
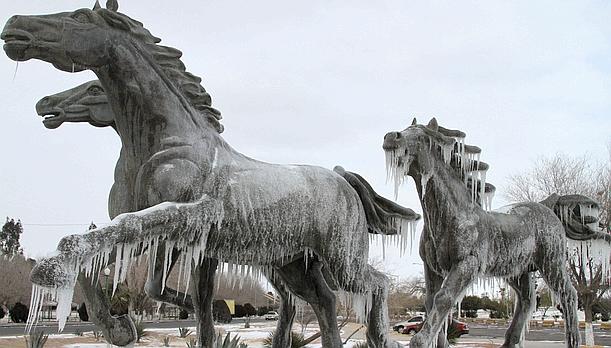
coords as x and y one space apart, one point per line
482 183
446 151
15 73
64 305
118 258
487 200
169 246
383 246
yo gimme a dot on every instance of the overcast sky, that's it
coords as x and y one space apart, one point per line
321 82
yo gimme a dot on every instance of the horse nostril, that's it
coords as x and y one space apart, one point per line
44 100
397 135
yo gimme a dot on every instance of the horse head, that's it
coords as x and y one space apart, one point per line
71 41
409 152
84 103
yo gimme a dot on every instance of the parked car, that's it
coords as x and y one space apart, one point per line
459 328
411 322
271 316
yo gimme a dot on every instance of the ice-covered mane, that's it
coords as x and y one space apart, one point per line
168 58
462 158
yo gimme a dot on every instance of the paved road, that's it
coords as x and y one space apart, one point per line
51 327
476 331
602 337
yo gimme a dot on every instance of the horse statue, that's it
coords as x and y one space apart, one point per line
88 103
180 186
462 242
588 246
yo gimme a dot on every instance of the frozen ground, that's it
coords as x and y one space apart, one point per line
254 336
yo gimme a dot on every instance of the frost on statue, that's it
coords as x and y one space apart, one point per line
462 242
306 224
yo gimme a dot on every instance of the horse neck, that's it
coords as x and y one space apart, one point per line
148 107
442 193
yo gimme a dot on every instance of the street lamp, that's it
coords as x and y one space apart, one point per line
106 274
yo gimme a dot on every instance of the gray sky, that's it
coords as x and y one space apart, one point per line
321 82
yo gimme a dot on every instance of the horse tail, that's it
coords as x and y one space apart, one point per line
383 215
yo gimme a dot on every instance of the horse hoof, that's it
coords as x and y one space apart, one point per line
50 273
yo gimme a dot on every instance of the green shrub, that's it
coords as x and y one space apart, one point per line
471 313
183 314
360 345
82 312
166 341
19 313
220 311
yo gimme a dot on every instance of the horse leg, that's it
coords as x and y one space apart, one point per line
373 285
377 318
119 330
433 283
524 287
154 286
282 336
203 295
310 284
555 275
458 279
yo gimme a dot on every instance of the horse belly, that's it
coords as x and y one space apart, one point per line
280 216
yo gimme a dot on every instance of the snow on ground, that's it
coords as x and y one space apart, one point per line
253 336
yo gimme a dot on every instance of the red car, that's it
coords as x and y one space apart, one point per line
459 327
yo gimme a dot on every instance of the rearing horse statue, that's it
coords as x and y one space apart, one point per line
88 103
193 192
461 242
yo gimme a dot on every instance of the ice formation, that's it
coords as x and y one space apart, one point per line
464 158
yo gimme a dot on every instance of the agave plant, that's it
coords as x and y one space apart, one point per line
191 343
36 339
360 345
140 332
183 332
228 342
97 335
297 340
166 341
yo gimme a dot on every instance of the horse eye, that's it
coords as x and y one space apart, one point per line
95 90
81 17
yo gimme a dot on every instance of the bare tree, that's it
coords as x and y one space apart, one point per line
405 295
565 175
15 283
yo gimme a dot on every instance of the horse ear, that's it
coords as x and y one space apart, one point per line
433 125
112 5
414 122
97 5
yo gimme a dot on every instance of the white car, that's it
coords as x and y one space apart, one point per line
271 316
408 323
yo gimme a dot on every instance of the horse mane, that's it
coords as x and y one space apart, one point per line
465 161
168 59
